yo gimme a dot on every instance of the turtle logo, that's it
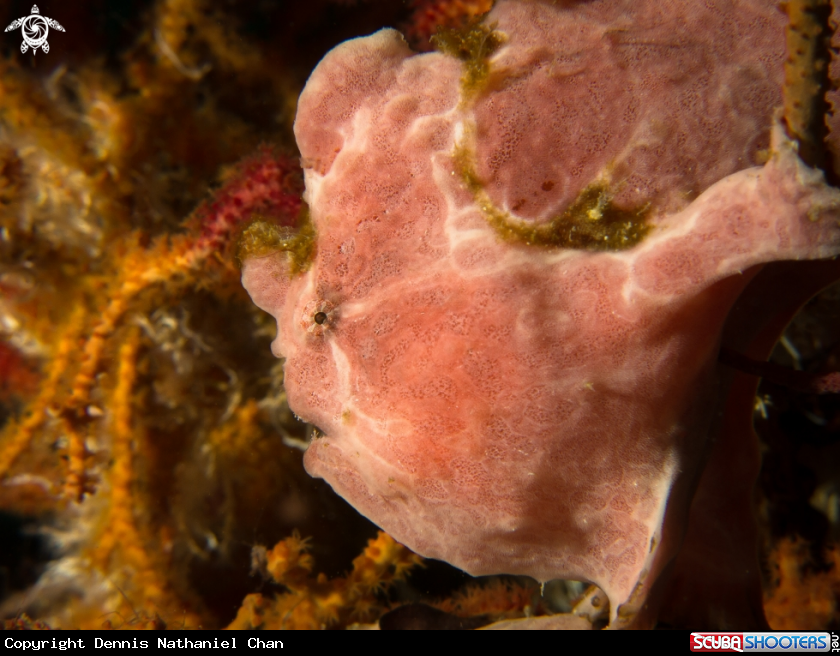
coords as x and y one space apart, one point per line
34 29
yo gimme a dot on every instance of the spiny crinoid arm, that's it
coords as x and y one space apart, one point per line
21 434
125 538
264 183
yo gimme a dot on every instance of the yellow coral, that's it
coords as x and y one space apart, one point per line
320 602
497 598
801 601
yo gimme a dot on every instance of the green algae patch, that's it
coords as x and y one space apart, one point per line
473 45
262 238
592 222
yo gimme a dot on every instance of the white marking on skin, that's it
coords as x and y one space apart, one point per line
343 370
308 291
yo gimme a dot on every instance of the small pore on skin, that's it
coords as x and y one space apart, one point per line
262 238
473 45
592 222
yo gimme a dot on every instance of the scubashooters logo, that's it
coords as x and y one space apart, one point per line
766 642
35 29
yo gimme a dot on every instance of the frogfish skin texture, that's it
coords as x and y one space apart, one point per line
496 401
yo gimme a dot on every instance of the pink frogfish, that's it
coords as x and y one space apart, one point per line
525 251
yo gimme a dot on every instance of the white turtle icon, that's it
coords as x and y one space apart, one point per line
34 29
